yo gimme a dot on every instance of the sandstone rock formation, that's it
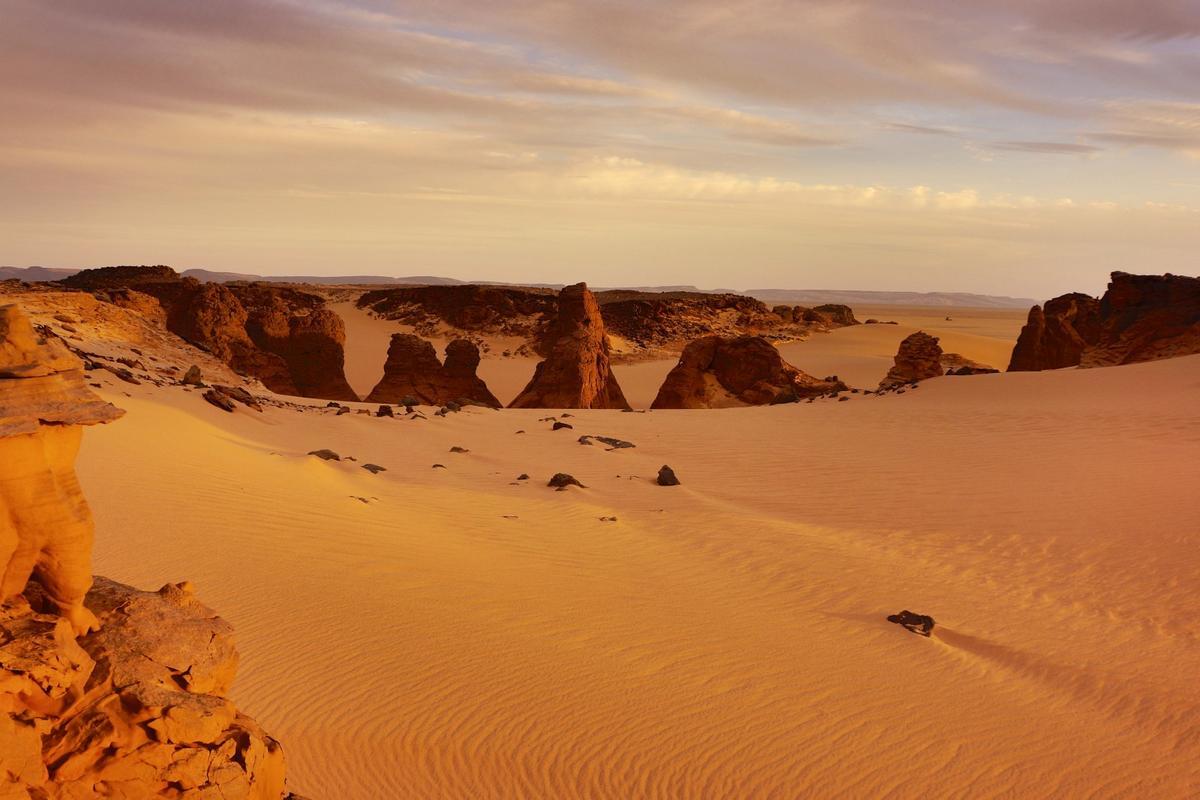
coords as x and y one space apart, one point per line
718 371
918 358
285 338
138 709
413 371
1056 335
1139 318
1144 318
645 322
576 372
45 525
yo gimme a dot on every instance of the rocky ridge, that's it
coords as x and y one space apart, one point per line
284 337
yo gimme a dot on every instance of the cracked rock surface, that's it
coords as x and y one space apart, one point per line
138 709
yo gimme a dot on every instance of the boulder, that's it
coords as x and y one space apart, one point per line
715 371
413 375
921 624
139 708
46 527
576 372
1055 336
919 357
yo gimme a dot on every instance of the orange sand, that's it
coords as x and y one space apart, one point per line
461 635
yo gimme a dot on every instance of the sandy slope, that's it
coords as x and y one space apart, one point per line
461 635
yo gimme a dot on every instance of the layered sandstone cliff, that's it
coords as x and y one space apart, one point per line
1144 318
1056 335
413 372
721 371
577 372
1139 318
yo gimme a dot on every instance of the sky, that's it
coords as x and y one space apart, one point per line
1017 147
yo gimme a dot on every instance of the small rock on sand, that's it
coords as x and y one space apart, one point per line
666 476
558 426
917 623
326 455
374 469
562 480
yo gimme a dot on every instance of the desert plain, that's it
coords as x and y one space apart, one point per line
452 631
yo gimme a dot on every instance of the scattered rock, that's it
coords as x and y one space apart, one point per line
326 455
385 411
558 426
439 466
608 519
457 449
562 480
193 377
523 477
666 476
613 444
917 623
343 410
374 469
220 400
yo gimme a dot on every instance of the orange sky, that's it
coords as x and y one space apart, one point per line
1013 147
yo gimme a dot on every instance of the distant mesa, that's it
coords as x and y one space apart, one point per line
576 372
717 371
413 375
286 338
1139 318
918 358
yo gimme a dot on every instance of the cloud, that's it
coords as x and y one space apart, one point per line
1051 148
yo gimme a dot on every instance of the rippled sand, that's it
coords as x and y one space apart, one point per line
454 633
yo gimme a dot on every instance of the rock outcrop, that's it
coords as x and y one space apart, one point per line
718 371
1056 335
1145 318
413 371
645 323
918 358
1139 318
286 338
577 372
105 691
45 524
137 709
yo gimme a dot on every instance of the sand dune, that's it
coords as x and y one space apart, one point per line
454 633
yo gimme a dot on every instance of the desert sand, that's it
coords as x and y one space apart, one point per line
458 633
